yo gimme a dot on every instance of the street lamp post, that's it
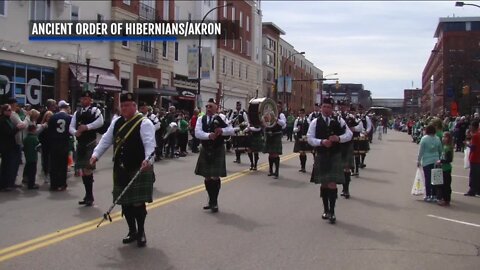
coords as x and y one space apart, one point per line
285 79
200 48
88 57
461 4
329 89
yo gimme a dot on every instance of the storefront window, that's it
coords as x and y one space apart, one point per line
27 83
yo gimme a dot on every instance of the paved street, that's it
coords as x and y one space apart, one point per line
263 223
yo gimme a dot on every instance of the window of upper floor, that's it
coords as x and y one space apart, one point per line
3 8
74 12
241 19
176 50
166 10
40 10
165 49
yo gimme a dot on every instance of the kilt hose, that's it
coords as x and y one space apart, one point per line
328 167
211 162
139 192
273 144
84 153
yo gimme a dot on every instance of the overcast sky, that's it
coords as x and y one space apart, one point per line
383 45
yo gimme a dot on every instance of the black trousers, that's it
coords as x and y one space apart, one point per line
58 158
30 171
444 192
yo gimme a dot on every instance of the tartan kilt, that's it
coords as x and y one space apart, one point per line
256 142
347 155
327 168
301 146
139 192
211 163
84 153
273 144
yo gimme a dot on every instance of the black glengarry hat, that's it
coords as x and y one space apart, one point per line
127 97
328 100
87 94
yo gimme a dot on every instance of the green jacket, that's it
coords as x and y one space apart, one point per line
290 120
183 126
30 144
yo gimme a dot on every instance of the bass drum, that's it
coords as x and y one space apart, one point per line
262 112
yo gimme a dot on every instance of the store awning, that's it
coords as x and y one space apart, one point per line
186 94
103 79
162 91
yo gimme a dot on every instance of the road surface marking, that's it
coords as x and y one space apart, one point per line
456 221
60 235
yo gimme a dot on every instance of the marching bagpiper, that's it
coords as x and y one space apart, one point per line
85 121
273 142
210 129
368 132
347 147
325 133
239 120
256 144
300 128
316 113
133 138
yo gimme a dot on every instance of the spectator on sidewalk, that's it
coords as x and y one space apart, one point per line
429 152
30 144
474 177
444 192
7 148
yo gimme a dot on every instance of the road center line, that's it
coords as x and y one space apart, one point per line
64 234
456 221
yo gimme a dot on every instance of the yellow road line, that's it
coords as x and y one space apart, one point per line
60 235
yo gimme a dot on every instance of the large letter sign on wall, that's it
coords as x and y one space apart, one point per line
33 86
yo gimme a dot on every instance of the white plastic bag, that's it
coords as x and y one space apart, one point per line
418 187
466 158
437 176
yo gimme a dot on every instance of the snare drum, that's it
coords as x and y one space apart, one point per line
262 112
241 142
360 145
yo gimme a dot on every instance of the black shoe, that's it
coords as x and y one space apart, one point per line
342 194
214 208
470 194
347 195
236 161
363 166
131 237
254 168
34 187
251 168
270 174
86 202
207 207
141 240
275 176
325 216
354 174
332 219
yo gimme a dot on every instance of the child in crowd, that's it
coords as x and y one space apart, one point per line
444 192
30 144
